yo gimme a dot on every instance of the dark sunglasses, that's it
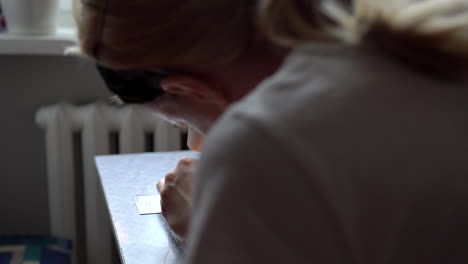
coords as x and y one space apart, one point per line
136 86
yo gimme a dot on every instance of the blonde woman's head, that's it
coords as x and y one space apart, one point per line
431 34
219 41
203 44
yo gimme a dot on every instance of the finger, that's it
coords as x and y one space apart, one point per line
171 177
185 171
187 162
160 184
175 209
186 167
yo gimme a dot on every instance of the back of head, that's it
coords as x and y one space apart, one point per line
152 33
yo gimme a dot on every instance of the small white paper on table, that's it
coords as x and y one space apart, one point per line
148 204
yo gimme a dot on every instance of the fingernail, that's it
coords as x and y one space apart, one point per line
159 185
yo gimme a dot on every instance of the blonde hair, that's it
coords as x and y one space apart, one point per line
429 34
152 33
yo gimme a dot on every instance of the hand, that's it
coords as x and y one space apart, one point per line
176 196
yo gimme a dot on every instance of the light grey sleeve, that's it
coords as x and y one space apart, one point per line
253 204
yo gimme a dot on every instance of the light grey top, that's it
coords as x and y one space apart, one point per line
342 156
141 239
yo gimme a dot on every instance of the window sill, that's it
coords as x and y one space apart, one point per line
38 45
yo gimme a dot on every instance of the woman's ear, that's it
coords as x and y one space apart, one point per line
193 88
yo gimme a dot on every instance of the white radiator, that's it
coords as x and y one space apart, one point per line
74 135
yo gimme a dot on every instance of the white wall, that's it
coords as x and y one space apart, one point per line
26 83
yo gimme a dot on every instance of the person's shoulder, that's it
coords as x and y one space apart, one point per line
234 134
309 80
324 97
331 81
309 76
237 149
283 105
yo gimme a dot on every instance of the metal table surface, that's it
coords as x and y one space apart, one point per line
140 239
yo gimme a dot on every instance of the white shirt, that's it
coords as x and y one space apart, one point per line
342 156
